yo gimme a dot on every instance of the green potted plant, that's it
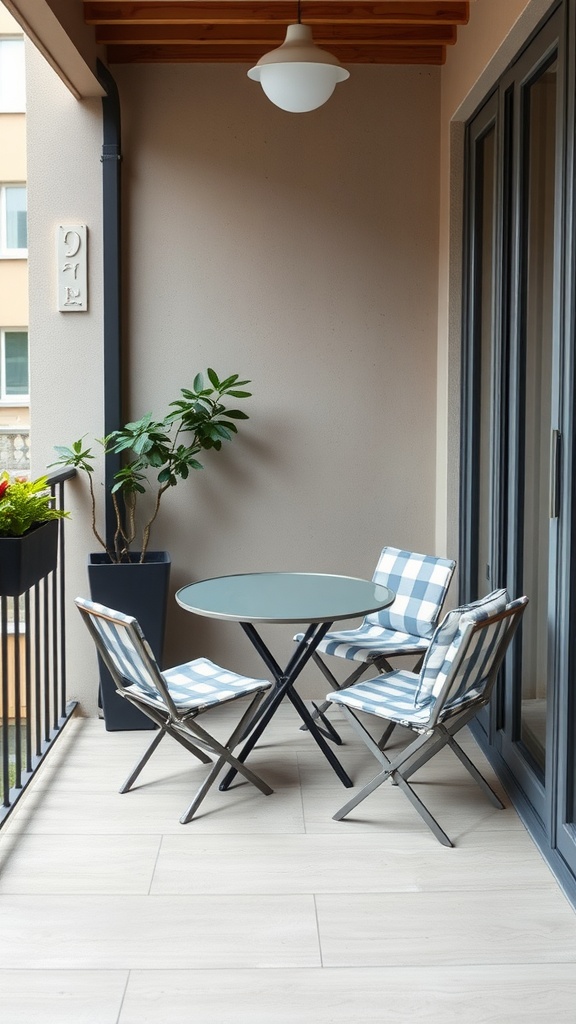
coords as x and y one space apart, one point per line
155 455
28 533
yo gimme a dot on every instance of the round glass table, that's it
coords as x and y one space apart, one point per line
318 599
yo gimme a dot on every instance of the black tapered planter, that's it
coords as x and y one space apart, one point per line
27 559
139 589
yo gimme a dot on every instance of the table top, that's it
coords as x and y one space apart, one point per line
284 597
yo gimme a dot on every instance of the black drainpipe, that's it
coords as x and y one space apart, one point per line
112 265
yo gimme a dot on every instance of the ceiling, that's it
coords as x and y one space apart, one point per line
188 31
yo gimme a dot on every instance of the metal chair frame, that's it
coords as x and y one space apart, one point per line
441 727
180 725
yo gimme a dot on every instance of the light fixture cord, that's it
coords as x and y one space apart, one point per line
299 22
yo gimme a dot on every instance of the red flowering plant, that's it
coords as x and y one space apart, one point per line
25 504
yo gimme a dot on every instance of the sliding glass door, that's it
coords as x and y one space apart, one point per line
518 399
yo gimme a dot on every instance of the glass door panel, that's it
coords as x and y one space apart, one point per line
537 354
485 321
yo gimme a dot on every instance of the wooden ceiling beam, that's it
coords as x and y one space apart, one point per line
346 53
263 35
283 12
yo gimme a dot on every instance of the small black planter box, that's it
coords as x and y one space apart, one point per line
27 559
141 590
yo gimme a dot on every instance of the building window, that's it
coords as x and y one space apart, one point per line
12 77
13 221
14 368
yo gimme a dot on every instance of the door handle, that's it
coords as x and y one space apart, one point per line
555 456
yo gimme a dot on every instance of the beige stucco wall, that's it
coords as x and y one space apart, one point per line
495 34
298 251
64 146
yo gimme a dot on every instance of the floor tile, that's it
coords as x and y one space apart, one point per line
77 863
307 864
442 928
264 910
460 809
156 808
153 932
474 995
61 997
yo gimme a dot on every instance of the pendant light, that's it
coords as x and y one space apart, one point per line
298 75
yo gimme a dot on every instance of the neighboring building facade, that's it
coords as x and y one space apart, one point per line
14 353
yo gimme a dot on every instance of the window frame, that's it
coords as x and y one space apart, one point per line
5 399
5 252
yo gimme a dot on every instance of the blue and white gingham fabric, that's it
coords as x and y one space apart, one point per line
391 696
446 641
409 699
420 583
194 686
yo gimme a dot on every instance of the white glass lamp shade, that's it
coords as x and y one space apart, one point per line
298 75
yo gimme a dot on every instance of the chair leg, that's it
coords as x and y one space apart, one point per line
422 810
393 771
386 735
361 795
476 775
158 737
320 709
225 757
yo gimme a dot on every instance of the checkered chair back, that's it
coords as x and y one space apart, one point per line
125 651
471 662
420 583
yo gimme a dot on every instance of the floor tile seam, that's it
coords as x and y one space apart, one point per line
123 997
155 865
318 933
149 890
85 970
416 963
241 894
448 890
407 968
301 788
88 835
405 890
158 896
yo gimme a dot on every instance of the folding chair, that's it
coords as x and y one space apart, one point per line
175 698
456 680
420 583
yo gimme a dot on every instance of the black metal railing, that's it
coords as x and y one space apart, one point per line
33 706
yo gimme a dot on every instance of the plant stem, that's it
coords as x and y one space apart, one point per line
94 530
148 527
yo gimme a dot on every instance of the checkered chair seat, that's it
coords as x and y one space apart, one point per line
394 697
367 643
175 698
456 680
200 684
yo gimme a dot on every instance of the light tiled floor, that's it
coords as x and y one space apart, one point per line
263 910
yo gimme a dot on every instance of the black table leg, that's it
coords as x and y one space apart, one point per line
284 680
